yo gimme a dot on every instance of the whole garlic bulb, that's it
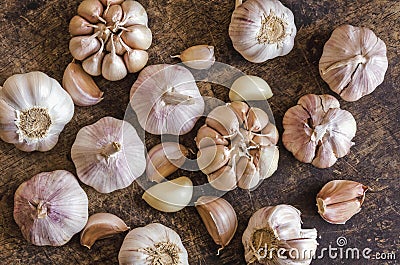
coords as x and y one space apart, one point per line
237 146
166 99
50 208
353 62
151 245
110 37
276 228
34 109
317 131
262 29
108 155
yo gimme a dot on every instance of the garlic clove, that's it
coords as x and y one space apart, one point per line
111 2
269 157
250 87
113 14
339 213
241 109
113 67
268 136
198 57
92 64
80 26
170 196
80 86
99 226
135 60
91 10
137 37
164 159
219 217
247 174
212 158
83 46
119 48
134 13
223 120
223 179
207 136
257 119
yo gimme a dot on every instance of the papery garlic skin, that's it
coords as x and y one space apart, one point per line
262 29
34 109
50 208
151 245
353 62
166 99
317 131
108 155
274 228
339 200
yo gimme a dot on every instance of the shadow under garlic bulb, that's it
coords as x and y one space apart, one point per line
110 37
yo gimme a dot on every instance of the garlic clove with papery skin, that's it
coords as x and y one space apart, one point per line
108 155
50 208
83 46
137 37
249 87
198 57
80 26
134 13
135 60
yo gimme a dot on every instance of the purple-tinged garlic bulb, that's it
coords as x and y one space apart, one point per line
50 208
353 62
317 131
108 155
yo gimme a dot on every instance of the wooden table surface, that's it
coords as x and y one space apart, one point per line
34 36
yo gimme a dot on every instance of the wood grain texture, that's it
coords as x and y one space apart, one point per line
34 36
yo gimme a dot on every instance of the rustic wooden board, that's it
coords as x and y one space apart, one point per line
34 36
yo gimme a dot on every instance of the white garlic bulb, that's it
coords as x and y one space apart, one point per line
50 208
108 155
34 109
262 29
153 244
166 99
274 236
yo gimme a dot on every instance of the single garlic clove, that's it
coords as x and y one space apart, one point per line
219 217
212 158
249 87
134 13
99 226
111 2
170 196
268 136
268 160
137 37
80 26
83 46
257 119
113 67
240 109
223 179
92 64
198 57
207 136
114 14
135 60
81 87
247 174
164 159
90 10
119 48
223 120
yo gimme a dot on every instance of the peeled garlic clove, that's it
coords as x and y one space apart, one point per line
135 60
119 48
92 64
268 160
339 200
90 10
212 158
223 120
170 196
198 57
83 46
134 13
137 37
80 86
113 15
80 26
164 159
223 179
113 67
257 119
250 87
219 217
99 226
247 174
207 136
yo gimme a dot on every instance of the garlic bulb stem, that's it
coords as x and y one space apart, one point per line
111 149
174 98
351 61
40 208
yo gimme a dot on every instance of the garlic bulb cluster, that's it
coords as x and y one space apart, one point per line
249 87
50 208
110 37
274 236
317 131
108 155
339 200
198 57
262 29
166 99
34 109
353 62
237 146
153 244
